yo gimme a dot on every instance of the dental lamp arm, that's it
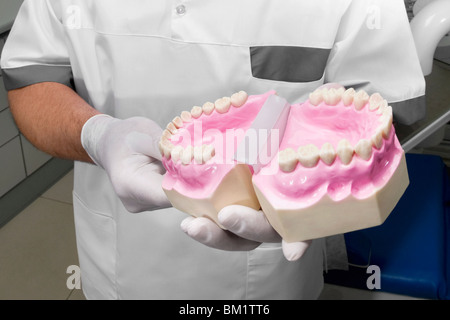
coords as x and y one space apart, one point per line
428 27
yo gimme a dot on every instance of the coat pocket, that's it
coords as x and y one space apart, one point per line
288 63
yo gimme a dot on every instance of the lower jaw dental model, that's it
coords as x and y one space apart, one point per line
339 166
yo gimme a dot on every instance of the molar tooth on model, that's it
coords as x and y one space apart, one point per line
347 96
171 127
176 153
316 97
364 149
377 139
186 116
375 101
208 108
287 160
198 154
177 122
223 104
196 112
327 153
238 99
360 99
187 155
332 96
208 152
166 135
345 151
386 122
166 148
308 155
383 105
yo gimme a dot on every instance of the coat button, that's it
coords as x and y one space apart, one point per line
181 10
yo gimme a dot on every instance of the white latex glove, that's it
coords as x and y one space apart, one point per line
246 229
128 151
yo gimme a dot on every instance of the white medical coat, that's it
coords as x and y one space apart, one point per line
157 58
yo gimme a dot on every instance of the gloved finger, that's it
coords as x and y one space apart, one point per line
210 234
139 188
295 250
145 144
248 223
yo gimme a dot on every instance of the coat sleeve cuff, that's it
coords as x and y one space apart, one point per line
15 78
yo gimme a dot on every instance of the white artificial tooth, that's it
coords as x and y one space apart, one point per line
223 104
327 153
386 121
347 96
375 101
187 155
177 122
308 155
198 154
360 99
316 97
166 135
364 149
332 97
208 108
383 105
186 116
176 153
166 148
208 152
196 112
239 99
345 151
171 127
377 139
161 148
287 160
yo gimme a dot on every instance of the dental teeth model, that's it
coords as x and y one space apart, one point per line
198 149
339 166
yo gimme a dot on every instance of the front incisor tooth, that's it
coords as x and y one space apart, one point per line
332 96
360 99
316 97
208 108
208 152
176 153
327 153
347 96
239 99
177 122
345 151
187 155
223 104
186 116
364 149
308 155
375 101
196 112
287 160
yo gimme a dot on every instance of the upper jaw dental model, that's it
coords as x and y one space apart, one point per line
339 166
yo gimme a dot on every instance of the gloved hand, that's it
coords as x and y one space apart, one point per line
246 229
128 151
